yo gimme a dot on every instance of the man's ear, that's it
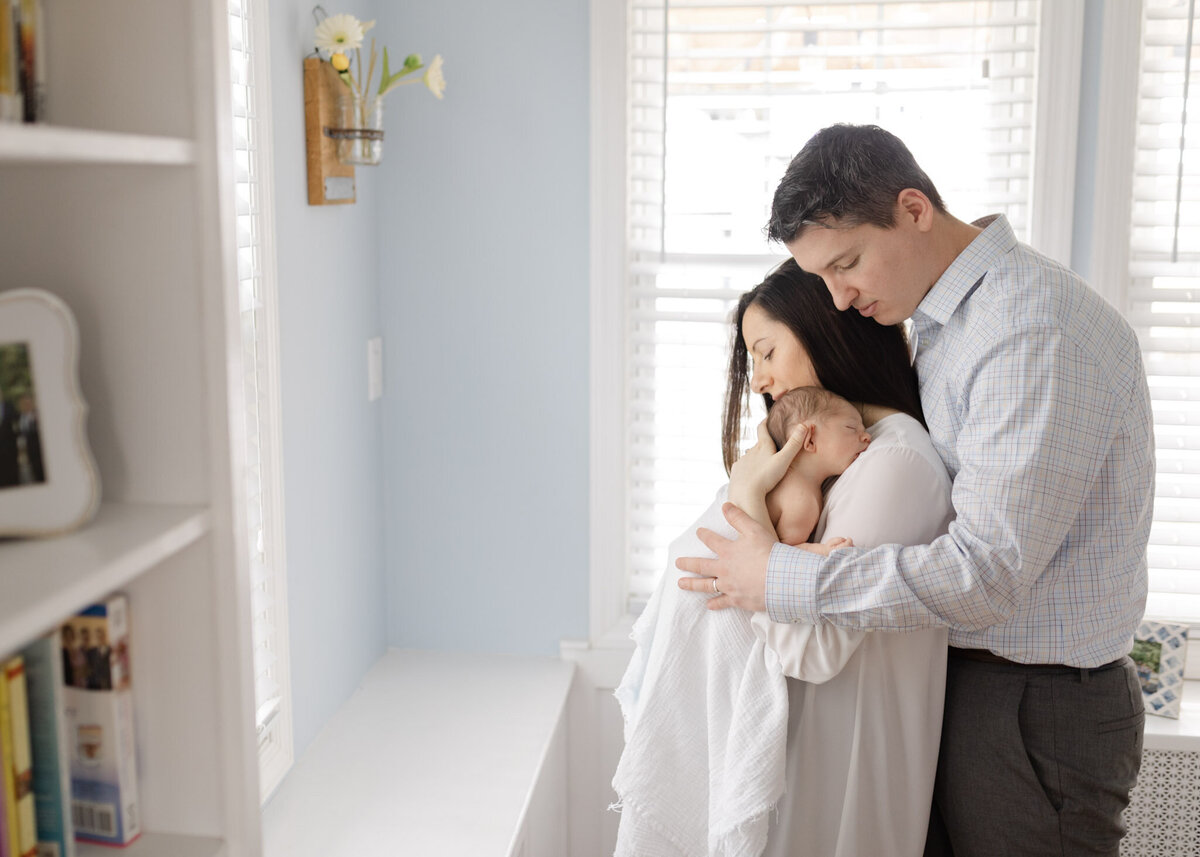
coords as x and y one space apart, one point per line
914 208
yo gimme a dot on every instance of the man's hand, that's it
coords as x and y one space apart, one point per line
740 567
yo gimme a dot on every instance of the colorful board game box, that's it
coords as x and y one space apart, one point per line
99 716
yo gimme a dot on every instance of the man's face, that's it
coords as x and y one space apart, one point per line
879 272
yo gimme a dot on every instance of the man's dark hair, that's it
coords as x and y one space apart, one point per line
851 173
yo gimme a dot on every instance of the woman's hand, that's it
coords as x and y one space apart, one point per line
760 468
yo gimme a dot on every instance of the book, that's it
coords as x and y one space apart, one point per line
18 768
10 94
47 732
98 705
31 71
5 807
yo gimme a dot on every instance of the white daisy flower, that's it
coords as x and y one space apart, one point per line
433 77
340 33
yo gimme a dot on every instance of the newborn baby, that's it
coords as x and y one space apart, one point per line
835 438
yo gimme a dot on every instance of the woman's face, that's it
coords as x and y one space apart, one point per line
780 361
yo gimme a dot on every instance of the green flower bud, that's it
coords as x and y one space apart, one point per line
412 61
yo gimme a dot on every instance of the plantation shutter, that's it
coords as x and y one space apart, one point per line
253 255
1164 292
721 96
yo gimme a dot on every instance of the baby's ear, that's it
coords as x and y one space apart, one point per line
810 443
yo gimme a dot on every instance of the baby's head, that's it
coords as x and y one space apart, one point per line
835 439
837 435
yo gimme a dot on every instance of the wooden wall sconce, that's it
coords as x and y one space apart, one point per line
330 182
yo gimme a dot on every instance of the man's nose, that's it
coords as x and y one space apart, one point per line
842 295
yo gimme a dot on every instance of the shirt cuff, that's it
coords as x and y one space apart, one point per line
791 584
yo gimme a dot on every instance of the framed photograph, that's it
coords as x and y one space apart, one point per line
1159 652
48 478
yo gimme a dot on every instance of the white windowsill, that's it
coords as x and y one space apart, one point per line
435 753
1165 733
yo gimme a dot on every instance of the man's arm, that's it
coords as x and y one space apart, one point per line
1040 418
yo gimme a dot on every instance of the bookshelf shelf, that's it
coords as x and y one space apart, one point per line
124 206
45 580
24 144
158 845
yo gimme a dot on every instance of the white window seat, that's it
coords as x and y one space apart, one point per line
435 753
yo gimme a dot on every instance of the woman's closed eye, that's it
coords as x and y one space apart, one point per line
847 266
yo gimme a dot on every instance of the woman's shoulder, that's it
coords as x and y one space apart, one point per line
900 436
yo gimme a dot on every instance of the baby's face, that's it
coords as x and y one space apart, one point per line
839 436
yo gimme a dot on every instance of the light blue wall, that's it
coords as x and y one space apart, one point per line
484 308
453 513
333 488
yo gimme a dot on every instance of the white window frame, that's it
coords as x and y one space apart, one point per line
276 747
1112 178
1051 219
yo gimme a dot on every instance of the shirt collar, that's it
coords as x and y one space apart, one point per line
958 281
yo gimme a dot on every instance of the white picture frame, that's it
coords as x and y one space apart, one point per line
43 419
1160 654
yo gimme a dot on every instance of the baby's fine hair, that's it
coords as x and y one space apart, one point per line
796 406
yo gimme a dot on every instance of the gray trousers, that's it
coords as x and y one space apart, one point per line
1035 760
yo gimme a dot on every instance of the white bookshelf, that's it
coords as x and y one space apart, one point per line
51 578
156 844
46 144
122 205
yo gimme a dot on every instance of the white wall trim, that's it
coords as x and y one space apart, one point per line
214 176
595 741
1056 127
1120 54
608 245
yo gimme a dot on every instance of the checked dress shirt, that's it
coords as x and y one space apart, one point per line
1036 400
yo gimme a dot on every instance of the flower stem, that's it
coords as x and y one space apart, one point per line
371 71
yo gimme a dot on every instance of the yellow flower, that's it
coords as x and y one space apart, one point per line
341 62
433 77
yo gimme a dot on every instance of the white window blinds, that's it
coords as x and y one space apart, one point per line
721 96
1164 292
255 257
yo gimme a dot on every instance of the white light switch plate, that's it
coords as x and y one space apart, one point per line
374 369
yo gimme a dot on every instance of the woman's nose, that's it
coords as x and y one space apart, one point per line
757 383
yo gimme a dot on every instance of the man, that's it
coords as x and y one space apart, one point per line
1037 402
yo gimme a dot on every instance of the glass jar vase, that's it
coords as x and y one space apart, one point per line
360 137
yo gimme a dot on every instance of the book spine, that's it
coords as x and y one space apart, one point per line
22 758
5 803
9 773
29 60
51 772
10 99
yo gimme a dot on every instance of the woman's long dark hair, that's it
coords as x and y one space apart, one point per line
853 356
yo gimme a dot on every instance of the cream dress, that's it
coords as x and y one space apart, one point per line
865 722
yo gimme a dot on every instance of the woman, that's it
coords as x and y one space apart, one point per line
865 709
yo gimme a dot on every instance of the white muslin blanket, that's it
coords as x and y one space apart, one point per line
706 712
